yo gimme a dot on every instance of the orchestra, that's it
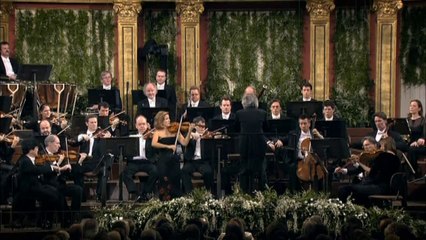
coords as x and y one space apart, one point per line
171 152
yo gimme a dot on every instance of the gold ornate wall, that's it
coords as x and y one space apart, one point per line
5 10
127 29
386 49
189 12
319 12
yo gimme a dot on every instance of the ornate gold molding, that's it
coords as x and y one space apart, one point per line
189 10
127 10
387 8
5 9
320 8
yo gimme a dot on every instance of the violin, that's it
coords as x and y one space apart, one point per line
7 138
71 155
149 133
174 126
42 159
114 120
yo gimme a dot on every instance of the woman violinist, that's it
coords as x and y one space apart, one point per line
417 124
58 122
165 139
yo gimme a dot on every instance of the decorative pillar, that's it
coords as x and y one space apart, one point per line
127 30
189 12
319 12
5 9
386 48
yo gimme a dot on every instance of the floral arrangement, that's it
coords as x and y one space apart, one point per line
257 211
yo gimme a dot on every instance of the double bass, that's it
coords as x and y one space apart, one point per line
309 168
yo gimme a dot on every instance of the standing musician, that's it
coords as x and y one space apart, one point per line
8 66
106 79
161 78
252 146
143 162
417 124
195 98
164 139
90 152
52 147
294 140
225 108
30 184
378 172
306 90
194 161
380 120
329 109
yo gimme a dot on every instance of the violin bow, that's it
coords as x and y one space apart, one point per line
178 132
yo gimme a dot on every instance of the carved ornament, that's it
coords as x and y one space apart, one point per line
5 8
320 8
387 8
127 9
189 10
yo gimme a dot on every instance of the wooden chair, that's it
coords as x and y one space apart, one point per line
398 190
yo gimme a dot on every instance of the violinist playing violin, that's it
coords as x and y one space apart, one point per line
382 166
57 122
75 192
143 162
105 120
90 151
194 161
165 139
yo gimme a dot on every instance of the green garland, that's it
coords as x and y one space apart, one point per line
353 83
413 46
78 43
161 26
257 48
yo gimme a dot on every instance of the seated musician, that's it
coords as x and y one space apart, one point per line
106 79
294 140
225 108
194 161
57 123
378 171
417 125
45 128
8 66
8 143
161 78
382 131
328 111
195 98
117 127
276 111
75 192
30 184
90 152
144 162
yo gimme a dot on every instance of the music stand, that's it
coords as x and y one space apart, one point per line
103 121
149 113
5 103
331 148
206 112
399 125
95 96
121 146
229 125
5 125
137 96
295 109
24 134
280 126
332 129
78 123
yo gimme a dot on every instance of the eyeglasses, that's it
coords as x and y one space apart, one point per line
200 125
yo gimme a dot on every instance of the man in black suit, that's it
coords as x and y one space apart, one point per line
252 143
151 100
329 109
118 124
31 187
106 78
225 108
195 98
8 66
306 90
170 92
90 153
143 162
194 161
276 111
382 131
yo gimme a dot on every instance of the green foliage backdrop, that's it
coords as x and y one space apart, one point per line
413 45
351 91
78 43
258 48
161 26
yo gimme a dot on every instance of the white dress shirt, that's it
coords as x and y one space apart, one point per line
276 116
105 87
161 86
303 136
151 103
379 135
7 66
307 99
194 104
226 116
